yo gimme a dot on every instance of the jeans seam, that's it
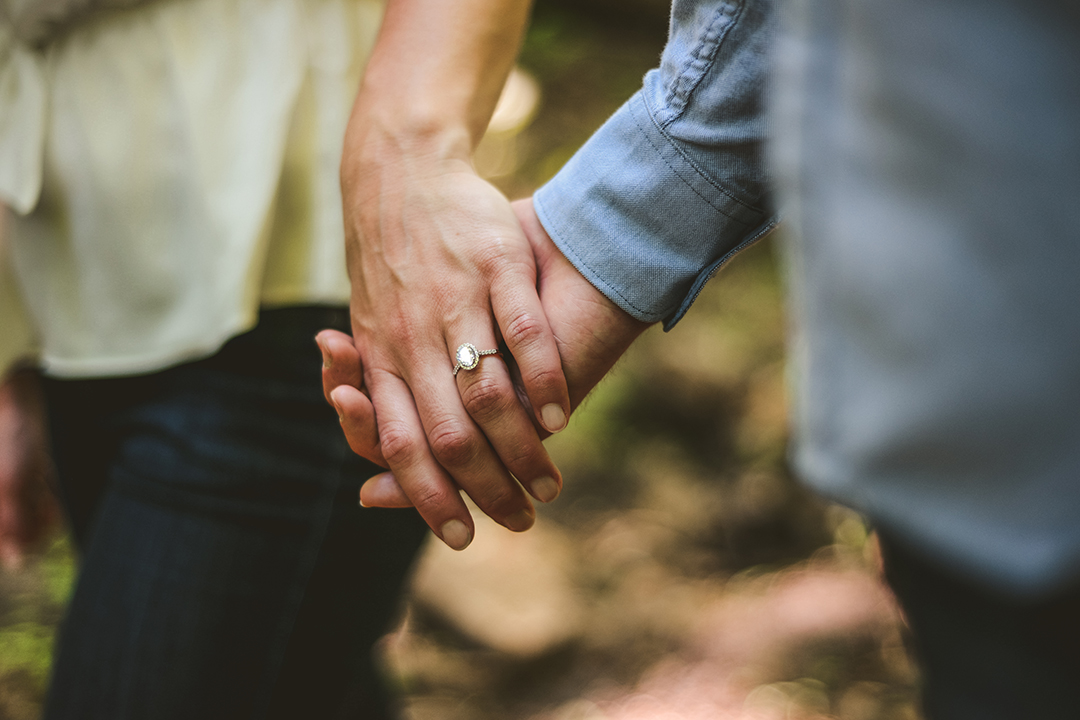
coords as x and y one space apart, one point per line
303 573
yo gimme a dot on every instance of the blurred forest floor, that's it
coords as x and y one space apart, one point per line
682 574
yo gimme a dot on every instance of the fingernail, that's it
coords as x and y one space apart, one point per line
554 417
337 406
456 534
520 521
545 489
362 502
326 360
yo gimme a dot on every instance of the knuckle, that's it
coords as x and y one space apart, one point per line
501 502
523 330
523 459
398 447
544 377
452 444
485 397
431 498
492 259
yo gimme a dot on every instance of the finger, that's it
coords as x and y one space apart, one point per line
528 336
488 394
357 416
341 362
460 447
342 386
405 448
383 491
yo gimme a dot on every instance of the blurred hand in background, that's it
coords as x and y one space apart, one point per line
28 509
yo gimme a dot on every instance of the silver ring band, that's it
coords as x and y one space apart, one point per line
468 357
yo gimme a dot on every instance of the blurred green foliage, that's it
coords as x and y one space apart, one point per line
32 601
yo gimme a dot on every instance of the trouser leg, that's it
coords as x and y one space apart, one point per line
226 571
985 655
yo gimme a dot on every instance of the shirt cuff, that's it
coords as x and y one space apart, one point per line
640 219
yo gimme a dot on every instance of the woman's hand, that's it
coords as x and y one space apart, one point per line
436 260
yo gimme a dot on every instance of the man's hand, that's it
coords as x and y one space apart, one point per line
591 333
437 259
27 506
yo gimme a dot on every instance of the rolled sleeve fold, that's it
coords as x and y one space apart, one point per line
648 209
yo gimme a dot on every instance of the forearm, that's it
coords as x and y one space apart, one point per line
434 77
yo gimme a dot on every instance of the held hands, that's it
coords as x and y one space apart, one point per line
437 259
589 332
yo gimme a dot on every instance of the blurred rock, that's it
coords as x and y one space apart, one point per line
775 612
507 592
745 639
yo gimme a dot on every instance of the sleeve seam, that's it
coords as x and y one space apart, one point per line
700 60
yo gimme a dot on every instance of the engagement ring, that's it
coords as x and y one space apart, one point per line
468 357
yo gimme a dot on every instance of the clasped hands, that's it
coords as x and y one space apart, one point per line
482 271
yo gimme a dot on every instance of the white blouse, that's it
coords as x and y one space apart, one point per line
170 168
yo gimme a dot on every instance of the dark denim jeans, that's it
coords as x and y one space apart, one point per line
985 655
226 569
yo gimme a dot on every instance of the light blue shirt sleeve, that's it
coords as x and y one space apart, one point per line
674 183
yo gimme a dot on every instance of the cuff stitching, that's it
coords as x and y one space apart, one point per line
701 58
704 176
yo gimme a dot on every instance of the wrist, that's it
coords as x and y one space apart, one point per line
382 126
386 148
438 68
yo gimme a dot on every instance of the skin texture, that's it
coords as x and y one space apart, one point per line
437 258
28 509
590 331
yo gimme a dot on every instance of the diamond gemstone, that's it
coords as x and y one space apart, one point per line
467 356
